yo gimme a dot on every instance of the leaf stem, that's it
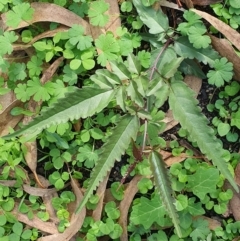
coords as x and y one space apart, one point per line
153 69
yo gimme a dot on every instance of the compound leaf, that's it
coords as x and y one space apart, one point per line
186 111
112 150
80 103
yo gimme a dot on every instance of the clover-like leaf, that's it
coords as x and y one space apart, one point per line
197 38
76 37
223 72
109 47
96 13
20 12
6 41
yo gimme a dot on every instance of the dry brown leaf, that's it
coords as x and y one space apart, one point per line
45 34
212 223
168 4
49 12
195 84
176 159
35 222
203 2
6 119
50 71
237 174
75 222
232 35
124 206
97 213
225 49
189 3
234 203
31 159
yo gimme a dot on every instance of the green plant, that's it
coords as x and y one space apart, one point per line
136 93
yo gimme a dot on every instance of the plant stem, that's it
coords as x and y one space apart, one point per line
153 69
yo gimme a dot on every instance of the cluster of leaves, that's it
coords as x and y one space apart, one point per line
91 127
227 120
228 12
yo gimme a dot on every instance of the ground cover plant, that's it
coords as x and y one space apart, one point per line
91 93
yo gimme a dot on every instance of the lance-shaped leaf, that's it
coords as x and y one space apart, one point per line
186 111
163 186
112 150
78 104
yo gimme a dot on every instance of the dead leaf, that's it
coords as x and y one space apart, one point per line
203 2
75 222
168 4
31 159
195 84
237 174
46 34
212 223
232 35
234 203
50 71
6 119
189 3
176 159
47 227
49 12
124 206
97 213
225 49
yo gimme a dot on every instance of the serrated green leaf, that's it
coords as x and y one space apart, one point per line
101 81
146 212
166 57
121 96
155 85
112 150
203 181
142 84
185 49
186 111
78 104
133 64
157 21
111 77
120 70
163 186
169 69
132 91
